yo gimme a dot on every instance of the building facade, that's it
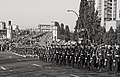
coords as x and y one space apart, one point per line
49 28
109 10
7 31
3 30
54 32
44 28
113 24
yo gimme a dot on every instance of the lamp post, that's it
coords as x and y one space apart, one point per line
77 24
73 12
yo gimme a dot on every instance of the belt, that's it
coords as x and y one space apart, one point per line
105 59
81 54
88 54
114 60
109 54
117 55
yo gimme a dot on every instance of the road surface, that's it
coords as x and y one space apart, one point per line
14 65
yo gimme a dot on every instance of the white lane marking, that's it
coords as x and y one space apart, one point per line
3 68
19 60
11 70
49 67
10 56
74 75
37 65
19 55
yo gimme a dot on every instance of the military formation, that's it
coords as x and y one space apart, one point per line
101 58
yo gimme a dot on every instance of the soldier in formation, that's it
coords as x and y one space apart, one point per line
104 58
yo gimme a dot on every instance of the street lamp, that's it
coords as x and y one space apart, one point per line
77 24
73 12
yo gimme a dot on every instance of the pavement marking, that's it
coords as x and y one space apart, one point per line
19 55
11 70
74 75
3 68
10 56
49 67
19 60
37 65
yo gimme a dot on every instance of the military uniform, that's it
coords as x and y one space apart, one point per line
117 56
109 57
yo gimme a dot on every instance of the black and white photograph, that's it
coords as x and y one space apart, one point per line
59 38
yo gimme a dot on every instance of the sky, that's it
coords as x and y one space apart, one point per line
31 13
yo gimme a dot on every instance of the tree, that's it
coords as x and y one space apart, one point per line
88 19
75 34
67 33
82 14
118 34
62 32
58 29
82 19
110 37
98 38
72 36
118 29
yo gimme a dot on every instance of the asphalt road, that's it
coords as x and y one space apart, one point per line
13 65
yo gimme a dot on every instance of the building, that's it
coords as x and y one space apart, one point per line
49 28
2 25
54 32
113 24
34 30
3 30
15 26
109 11
7 31
44 28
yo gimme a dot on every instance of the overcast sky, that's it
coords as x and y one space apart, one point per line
30 13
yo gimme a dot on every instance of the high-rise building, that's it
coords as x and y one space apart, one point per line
9 30
109 10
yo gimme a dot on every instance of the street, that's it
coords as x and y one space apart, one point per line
13 65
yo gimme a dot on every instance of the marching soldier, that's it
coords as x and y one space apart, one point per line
68 57
94 58
101 58
82 56
117 56
109 56
88 56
